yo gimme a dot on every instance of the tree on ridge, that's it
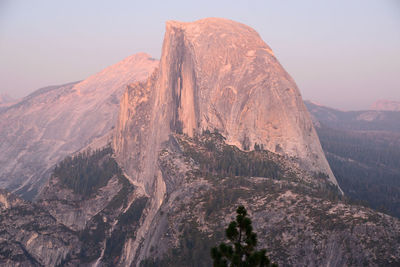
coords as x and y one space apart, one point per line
243 253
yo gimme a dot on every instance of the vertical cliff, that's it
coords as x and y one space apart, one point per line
215 74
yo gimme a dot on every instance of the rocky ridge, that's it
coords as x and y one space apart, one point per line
213 74
386 105
216 74
30 236
300 222
53 122
300 219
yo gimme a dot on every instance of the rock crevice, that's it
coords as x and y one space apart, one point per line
216 74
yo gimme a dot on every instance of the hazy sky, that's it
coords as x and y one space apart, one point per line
342 53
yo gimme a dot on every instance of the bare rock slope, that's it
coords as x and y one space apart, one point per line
107 221
298 223
56 121
215 74
30 236
218 75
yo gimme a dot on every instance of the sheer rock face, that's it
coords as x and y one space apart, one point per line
53 122
215 74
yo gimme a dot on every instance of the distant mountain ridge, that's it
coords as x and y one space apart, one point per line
386 105
363 120
363 150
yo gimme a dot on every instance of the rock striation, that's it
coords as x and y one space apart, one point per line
215 74
53 122
30 236
182 159
298 223
298 218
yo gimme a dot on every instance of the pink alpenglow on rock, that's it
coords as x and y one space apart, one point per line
215 74
51 123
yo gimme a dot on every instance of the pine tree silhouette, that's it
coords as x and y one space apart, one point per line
243 253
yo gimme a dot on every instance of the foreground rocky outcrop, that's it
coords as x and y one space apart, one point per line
300 219
30 236
81 218
53 122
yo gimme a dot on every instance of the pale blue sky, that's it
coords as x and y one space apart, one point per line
342 53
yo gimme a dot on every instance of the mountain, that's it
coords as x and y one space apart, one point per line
98 212
299 218
386 105
218 124
218 75
364 120
363 150
53 122
215 74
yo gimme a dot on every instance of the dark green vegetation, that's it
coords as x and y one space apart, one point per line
298 217
87 171
193 249
215 191
85 174
100 231
367 170
363 150
218 159
243 253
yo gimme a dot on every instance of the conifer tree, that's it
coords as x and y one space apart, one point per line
242 252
